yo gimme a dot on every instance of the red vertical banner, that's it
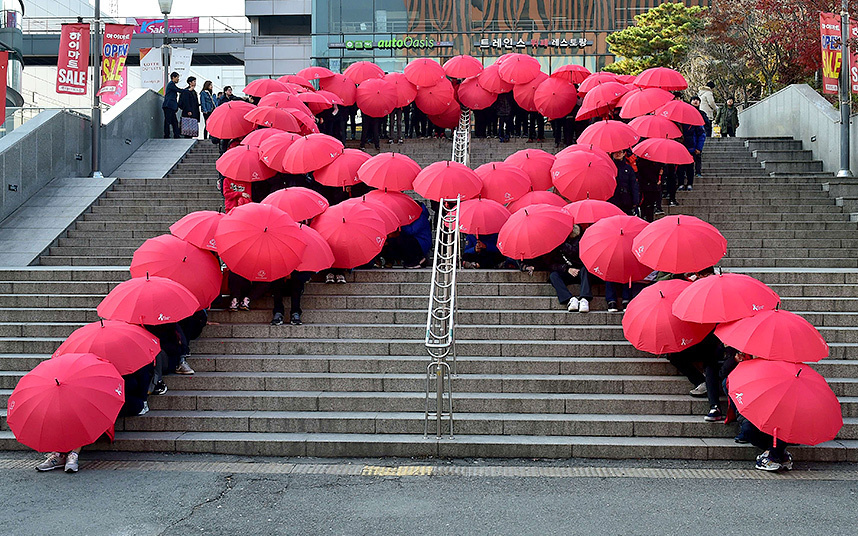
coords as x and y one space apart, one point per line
4 67
73 59
831 51
853 55
117 40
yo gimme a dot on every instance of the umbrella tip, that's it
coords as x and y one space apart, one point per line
344 220
661 293
525 212
58 381
185 259
265 230
147 276
102 321
799 372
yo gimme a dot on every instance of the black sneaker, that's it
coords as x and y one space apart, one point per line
714 415
277 320
160 388
612 307
296 319
673 204
659 212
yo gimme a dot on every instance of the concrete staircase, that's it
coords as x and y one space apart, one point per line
534 380
783 155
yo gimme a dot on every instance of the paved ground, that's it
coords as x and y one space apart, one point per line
153 494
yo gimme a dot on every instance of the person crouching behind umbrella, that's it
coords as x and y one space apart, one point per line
481 252
565 267
293 285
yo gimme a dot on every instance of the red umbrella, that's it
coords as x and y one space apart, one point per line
584 174
519 69
332 97
606 249
389 171
502 182
343 170
65 403
436 99
315 73
390 219
311 97
447 180
536 163
600 100
537 197
318 255
262 87
663 150
376 97
650 326
198 228
555 98
341 85
643 101
626 78
595 80
362 70
260 242
463 67
776 335
227 120
405 208
680 244
449 118
681 112
534 231
273 149
310 153
308 123
148 300
242 163
255 138
269 116
296 79
662 77
294 87
524 93
482 216
127 346
473 96
490 80
424 72
355 233
299 203
405 90
285 101
788 401
654 126
573 73
592 210
610 136
724 298
195 269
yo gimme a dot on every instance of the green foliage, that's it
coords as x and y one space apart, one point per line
659 38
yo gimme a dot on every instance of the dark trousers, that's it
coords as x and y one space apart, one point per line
206 130
728 131
561 280
403 248
557 130
486 259
171 119
685 363
698 164
294 288
685 175
504 127
670 184
239 287
369 131
649 202
396 124
537 127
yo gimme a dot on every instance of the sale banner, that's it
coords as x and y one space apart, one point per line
73 59
152 69
117 40
156 26
831 51
121 89
853 55
4 66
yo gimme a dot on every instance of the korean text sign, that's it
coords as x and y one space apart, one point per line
73 59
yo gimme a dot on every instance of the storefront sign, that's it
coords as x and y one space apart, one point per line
114 82
508 43
180 62
73 59
156 26
152 69
392 44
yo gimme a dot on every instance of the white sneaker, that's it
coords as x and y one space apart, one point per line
583 306
145 409
54 460
71 462
699 391
572 306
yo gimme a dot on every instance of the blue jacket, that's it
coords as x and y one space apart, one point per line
171 96
207 102
420 229
693 137
491 242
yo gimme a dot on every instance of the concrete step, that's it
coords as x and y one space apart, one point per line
782 155
773 145
792 166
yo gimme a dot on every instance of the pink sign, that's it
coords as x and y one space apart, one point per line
156 26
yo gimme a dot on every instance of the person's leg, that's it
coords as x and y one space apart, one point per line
711 372
586 292
670 184
277 291
296 289
364 132
174 120
698 165
683 364
559 281
206 129
166 123
540 126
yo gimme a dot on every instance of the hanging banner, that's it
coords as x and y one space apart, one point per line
853 55
180 62
831 51
4 66
121 89
73 59
156 26
152 69
117 40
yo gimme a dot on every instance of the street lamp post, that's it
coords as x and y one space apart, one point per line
96 85
845 93
166 6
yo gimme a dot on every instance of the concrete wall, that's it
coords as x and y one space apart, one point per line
135 119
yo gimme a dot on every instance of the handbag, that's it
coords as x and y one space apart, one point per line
190 127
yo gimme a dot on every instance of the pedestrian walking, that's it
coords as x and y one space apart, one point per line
707 133
693 137
171 107
707 105
189 103
207 105
727 118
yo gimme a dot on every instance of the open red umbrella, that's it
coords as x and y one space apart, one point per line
341 85
198 228
390 219
600 100
449 118
343 170
724 298
592 210
436 99
263 86
310 153
315 73
473 96
680 244
537 197
148 300
654 126
536 163
663 150
355 233
270 116
424 72
650 326
774 334
524 93
490 80
260 242
502 182
405 208
555 98
447 180
65 403
389 171
242 163
311 97
297 80
463 66
376 97
606 249
638 102
573 73
227 120
273 149
308 123
363 70
332 97
610 136
482 216
285 101
662 77
788 401
255 138
195 269
405 90
534 231
681 112
519 69
595 80
127 346
299 203
584 173
318 255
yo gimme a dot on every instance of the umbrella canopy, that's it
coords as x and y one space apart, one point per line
663 150
270 116
299 203
262 87
361 71
308 122
227 120
534 231
655 126
343 170
198 228
296 80
342 86
128 347
333 98
490 80
592 210
405 90
573 73
193 268
650 326
525 93
555 97
776 335
424 72
681 112
463 67
255 138
242 163
390 219
405 208
318 255
662 77
310 153
583 173
315 73
724 298
600 100
643 101
519 69
260 242
435 100
537 197
65 403
472 95
447 180
284 100
502 182
610 136
606 249
536 163
788 401
482 216
311 97
355 233
449 118
273 149
389 171
595 80
376 97
680 244
148 300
